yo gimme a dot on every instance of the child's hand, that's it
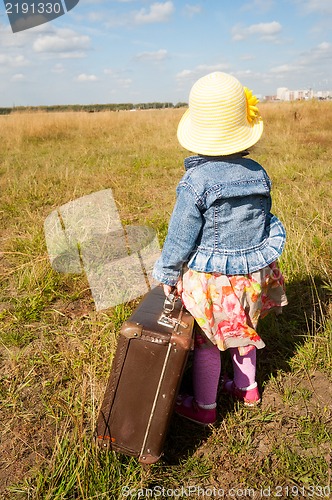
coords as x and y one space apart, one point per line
169 289
179 287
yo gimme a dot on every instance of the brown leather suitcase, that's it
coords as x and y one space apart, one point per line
146 373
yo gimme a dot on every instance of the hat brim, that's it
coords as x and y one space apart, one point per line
241 138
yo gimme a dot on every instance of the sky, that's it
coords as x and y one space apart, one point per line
134 51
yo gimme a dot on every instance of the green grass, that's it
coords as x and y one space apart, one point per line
56 350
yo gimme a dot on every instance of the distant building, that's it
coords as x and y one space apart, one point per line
281 93
323 94
284 94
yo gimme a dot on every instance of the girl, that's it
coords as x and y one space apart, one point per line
223 242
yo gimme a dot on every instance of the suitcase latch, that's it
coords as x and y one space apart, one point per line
166 319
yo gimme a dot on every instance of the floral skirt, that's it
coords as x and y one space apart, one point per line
227 308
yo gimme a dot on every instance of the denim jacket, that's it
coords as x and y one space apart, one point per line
221 221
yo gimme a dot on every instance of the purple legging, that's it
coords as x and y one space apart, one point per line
206 372
244 367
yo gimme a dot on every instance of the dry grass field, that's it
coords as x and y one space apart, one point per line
56 350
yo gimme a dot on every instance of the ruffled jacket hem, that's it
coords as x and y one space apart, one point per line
246 261
230 262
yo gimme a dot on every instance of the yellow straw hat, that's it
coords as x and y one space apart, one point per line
222 118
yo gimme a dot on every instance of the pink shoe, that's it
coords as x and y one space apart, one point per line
187 407
249 397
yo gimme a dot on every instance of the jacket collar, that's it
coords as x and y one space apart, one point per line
197 160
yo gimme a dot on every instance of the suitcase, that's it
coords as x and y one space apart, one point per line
146 373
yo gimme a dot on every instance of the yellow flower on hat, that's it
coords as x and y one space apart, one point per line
253 115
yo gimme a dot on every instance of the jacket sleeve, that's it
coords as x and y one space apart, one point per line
183 231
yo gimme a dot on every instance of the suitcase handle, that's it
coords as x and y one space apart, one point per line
166 319
169 303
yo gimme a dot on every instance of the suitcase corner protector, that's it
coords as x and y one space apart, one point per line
148 459
131 330
104 442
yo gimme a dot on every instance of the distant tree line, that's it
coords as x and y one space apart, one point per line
93 108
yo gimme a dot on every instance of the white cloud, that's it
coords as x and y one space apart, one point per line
200 70
109 71
283 68
156 56
258 5
158 13
118 78
192 10
247 57
324 46
83 77
264 31
242 75
322 6
13 61
311 62
94 16
58 68
317 56
22 40
18 77
62 41
124 83
187 77
91 2
185 73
